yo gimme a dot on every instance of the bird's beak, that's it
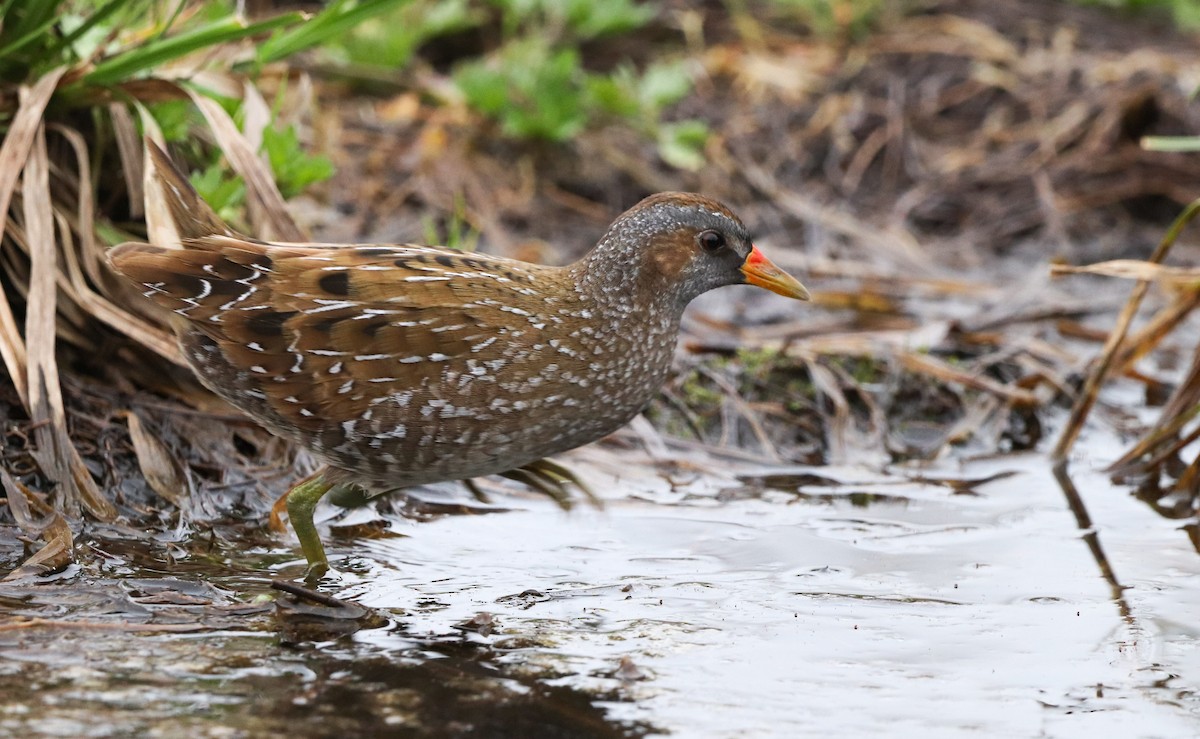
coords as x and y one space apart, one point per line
758 270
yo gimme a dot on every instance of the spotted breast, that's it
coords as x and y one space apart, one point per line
406 364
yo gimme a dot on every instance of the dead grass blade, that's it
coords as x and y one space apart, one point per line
160 228
129 148
55 453
268 215
58 551
13 154
1156 329
49 623
744 410
159 466
1181 409
944 372
75 285
86 227
1134 269
256 116
1091 389
837 428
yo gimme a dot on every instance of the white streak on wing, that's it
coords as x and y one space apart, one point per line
328 305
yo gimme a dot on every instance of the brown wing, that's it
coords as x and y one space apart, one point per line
320 331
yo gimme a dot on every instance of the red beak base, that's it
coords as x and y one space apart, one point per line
762 272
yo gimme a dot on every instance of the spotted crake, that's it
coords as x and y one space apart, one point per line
404 364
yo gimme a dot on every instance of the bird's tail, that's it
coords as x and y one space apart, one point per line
208 271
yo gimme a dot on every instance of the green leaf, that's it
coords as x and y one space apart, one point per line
175 118
224 193
534 91
294 168
589 19
663 84
615 94
682 144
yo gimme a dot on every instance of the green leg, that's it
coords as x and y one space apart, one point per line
301 502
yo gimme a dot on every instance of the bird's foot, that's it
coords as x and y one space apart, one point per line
553 480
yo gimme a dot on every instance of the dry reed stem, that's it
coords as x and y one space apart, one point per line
1091 389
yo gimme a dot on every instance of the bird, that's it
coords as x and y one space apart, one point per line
403 364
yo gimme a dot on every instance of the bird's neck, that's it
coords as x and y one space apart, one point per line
619 282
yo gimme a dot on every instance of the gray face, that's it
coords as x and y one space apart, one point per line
721 248
675 246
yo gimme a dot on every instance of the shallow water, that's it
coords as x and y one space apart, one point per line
707 599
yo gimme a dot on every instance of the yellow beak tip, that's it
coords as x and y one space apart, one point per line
762 272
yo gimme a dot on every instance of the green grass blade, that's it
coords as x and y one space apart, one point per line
1171 143
30 15
329 23
156 53
31 26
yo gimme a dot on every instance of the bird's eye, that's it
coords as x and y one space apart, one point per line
711 240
